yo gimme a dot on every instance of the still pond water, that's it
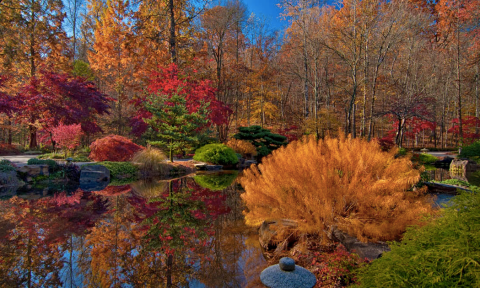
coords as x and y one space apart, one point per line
187 232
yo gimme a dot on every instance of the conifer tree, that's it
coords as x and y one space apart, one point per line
264 140
172 126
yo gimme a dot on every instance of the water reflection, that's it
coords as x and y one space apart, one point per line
150 234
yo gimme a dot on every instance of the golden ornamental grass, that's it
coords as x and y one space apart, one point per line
151 161
242 147
343 182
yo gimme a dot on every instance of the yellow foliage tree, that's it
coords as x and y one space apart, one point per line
344 182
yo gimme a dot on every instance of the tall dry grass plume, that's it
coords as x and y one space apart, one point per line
242 147
343 182
151 161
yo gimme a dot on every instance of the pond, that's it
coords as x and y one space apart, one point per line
440 174
186 232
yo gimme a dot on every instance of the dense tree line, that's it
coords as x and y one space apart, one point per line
407 70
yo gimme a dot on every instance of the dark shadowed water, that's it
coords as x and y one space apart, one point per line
187 232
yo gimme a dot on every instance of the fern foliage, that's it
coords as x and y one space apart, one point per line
344 182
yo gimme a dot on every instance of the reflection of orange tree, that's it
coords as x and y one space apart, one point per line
34 234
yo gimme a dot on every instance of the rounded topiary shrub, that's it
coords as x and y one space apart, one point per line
113 148
216 154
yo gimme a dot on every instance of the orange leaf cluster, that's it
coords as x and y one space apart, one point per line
348 183
242 147
113 148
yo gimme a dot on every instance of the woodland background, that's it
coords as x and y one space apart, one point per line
402 71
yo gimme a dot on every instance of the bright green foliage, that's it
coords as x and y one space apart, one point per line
172 126
120 170
264 140
216 182
424 158
82 69
444 253
51 163
216 154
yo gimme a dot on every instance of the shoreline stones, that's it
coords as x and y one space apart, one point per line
287 275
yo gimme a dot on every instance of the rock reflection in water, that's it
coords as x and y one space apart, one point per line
163 233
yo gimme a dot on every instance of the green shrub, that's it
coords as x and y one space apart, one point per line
216 154
6 162
444 253
81 158
471 151
51 163
424 159
120 170
6 167
216 182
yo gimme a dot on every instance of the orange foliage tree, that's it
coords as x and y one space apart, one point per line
348 183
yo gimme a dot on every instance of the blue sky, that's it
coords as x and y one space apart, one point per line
269 9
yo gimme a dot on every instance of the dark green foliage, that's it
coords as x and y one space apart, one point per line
172 126
216 154
444 253
264 140
471 151
6 162
216 182
124 171
52 165
6 168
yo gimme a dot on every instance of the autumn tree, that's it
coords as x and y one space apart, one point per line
52 98
112 59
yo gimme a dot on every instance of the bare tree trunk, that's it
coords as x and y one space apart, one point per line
173 38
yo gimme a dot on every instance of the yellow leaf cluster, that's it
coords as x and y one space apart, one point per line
242 147
342 182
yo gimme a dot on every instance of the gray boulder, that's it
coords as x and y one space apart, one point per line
371 251
34 170
461 166
94 173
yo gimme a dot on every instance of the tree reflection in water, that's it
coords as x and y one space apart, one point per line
149 234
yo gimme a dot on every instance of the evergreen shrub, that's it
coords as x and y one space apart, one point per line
471 151
263 140
52 165
218 154
443 253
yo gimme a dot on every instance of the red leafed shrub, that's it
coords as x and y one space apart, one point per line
386 143
113 148
67 136
8 149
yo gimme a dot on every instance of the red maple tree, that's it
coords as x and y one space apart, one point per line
169 81
53 98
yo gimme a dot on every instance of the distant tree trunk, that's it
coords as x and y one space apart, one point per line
173 38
